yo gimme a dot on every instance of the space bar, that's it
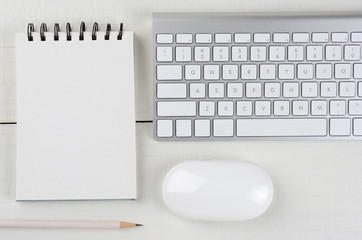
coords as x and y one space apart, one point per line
281 127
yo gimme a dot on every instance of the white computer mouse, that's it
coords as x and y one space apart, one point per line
217 190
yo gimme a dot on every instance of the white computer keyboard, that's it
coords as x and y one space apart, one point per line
248 76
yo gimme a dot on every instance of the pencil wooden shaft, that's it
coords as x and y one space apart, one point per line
66 224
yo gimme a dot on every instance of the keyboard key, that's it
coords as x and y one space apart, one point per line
323 71
309 89
234 90
328 89
202 54
223 38
164 54
225 108
340 127
347 89
357 126
206 108
239 54
267 71
223 127
319 108
248 71
258 53
183 128
314 53
204 38
192 72
337 107
183 54
290 90
242 38
352 52
169 72
320 37
230 72
261 37
253 90
333 53
340 37
197 90
355 107
262 108
211 72
281 108
356 37
300 37
305 71
342 71
216 90
360 89
295 53
276 53
244 108
357 70
184 38
164 128
221 54
286 71
272 90
300 108
281 127
202 128
176 109
281 37
164 38
171 90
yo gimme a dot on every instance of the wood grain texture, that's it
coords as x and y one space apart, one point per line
318 193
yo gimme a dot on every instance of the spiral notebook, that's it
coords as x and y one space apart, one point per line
75 114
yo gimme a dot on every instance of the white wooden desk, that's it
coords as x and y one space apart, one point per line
318 184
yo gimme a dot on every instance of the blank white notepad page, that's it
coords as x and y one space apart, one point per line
75 118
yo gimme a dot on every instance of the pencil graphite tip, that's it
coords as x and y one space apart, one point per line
138 225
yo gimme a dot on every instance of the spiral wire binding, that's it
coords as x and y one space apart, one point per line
108 30
94 30
81 31
68 30
120 34
29 31
56 32
43 28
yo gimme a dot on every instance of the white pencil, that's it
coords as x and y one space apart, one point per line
67 224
